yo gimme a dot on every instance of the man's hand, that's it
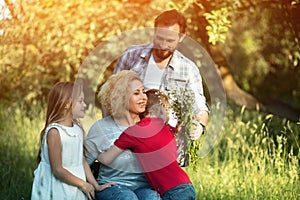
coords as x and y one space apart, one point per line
198 131
200 122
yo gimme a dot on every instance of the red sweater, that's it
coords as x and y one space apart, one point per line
155 146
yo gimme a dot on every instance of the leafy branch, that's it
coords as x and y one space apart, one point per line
182 102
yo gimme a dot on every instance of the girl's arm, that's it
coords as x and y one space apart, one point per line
55 157
91 179
107 157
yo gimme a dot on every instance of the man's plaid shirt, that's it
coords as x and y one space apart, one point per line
181 73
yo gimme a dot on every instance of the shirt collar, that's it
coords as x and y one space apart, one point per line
175 60
146 53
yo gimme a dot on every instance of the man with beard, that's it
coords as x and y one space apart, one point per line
161 66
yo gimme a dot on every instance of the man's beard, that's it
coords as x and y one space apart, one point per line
162 54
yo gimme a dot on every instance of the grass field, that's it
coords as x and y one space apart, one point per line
257 156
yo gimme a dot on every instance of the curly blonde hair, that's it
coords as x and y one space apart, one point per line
115 92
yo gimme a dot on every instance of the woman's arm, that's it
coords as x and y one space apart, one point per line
107 157
55 157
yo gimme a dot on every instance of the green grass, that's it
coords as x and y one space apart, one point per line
19 138
257 156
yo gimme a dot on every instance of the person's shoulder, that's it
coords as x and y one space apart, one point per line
139 47
150 121
180 60
53 133
101 122
53 128
136 126
182 57
99 127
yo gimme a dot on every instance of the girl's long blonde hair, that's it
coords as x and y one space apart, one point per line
60 103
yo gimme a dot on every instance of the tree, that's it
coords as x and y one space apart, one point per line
221 27
46 41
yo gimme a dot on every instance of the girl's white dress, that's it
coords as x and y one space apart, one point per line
45 184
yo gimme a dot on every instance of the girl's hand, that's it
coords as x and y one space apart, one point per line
89 190
104 186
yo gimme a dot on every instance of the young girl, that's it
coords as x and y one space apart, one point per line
155 147
62 169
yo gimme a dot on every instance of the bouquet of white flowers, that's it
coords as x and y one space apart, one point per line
181 102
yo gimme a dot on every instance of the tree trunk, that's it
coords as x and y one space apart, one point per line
242 98
233 91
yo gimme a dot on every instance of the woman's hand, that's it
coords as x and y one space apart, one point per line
89 190
104 186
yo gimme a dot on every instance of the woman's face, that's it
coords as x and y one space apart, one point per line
137 98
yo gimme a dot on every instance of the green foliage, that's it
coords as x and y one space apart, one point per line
265 51
218 25
256 158
253 160
19 138
295 2
182 105
50 39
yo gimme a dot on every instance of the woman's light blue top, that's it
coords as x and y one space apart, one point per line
125 169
